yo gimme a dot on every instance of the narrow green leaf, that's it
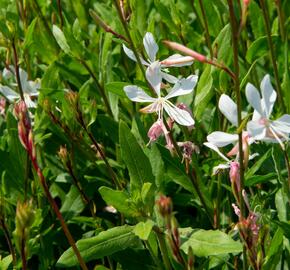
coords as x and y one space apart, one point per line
60 39
116 88
282 202
207 243
258 48
104 244
203 92
139 167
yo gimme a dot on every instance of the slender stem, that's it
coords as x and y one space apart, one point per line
99 87
102 154
288 168
207 36
58 213
22 251
60 13
176 147
163 248
194 181
125 26
272 52
235 40
8 239
281 19
106 27
17 70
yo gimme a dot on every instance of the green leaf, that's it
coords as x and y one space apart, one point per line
60 39
5 262
282 202
116 88
133 259
136 161
223 43
203 92
275 251
143 229
258 164
207 243
104 244
258 48
120 200
73 204
29 40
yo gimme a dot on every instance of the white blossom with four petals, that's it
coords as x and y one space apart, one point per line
182 87
151 49
261 127
30 88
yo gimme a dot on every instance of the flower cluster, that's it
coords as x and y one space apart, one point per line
155 73
260 128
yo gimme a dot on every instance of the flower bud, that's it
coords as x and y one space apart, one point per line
2 106
63 155
155 131
164 205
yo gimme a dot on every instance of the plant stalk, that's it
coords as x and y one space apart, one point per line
272 52
99 87
235 42
207 36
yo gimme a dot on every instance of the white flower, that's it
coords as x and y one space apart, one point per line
154 77
261 127
29 89
220 139
151 49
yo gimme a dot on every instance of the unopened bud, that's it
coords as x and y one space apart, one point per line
25 215
22 134
235 174
73 98
176 46
155 131
175 232
164 205
2 106
31 145
63 155
190 262
20 109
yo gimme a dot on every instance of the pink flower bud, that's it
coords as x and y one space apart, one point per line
247 2
175 46
2 106
155 131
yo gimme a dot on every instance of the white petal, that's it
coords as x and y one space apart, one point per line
182 117
29 103
32 88
154 76
177 60
256 130
183 86
132 56
136 94
9 93
219 167
282 123
169 78
150 46
23 78
254 98
229 109
7 74
213 147
269 95
221 139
